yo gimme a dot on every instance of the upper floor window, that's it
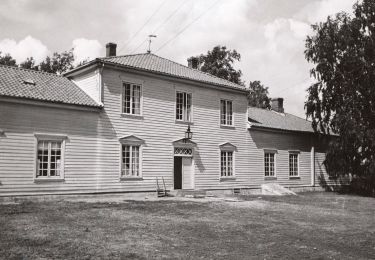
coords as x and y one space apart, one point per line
269 164
183 106
226 112
131 99
293 164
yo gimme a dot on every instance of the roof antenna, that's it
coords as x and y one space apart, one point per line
149 42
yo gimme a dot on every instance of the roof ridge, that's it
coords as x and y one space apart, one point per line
195 69
179 64
31 70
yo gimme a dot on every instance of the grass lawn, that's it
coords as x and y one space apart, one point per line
311 225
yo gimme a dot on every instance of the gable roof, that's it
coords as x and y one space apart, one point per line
36 85
152 63
264 118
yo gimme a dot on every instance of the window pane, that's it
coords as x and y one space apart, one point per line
125 160
223 163
179 105
126 98
230 163
223 112
229 113
136 108
135 161
42 158
188 107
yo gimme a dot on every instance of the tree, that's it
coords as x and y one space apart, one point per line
7 60
58 63
342 100
258 95
219 62
29 63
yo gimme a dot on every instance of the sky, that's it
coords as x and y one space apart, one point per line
269 34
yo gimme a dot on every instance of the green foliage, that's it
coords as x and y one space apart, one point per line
342 100
258 95
58 63
29 63
7 60
219 62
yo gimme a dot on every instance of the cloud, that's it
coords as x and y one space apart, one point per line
319 11
28 47
85 49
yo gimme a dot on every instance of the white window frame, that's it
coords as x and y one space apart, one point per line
49 138
131 141
226 101
124 83
225 148
298 159
184 107
274 152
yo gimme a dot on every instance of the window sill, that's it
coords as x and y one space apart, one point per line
38 180
132 116
183 122
228 127
270 178
294 178
231 178
131 178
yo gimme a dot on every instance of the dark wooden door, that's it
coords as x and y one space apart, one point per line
177 173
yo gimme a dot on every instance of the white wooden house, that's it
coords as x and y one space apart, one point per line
117 123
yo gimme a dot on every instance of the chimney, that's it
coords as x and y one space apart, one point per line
277 105
110 49
193 62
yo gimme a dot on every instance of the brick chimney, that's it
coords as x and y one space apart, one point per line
277 105
110 49
193 62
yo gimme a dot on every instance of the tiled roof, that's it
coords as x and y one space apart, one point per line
36 85
153 63
282 121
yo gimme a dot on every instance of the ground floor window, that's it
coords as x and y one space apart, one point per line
269 164
49 159
130 161
226 163
293 164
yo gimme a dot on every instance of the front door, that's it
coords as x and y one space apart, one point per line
177 173
183 173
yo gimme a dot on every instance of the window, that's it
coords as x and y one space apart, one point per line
269 164
130 161
226 163
131 99
226 112
293 164
183 106
49 159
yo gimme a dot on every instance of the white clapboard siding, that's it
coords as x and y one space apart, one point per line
90 83
92 148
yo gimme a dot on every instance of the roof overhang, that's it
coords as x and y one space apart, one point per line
54 104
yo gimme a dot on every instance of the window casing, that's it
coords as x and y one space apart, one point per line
226 163
130 161
226 112
269 164
183 106
131 99
50 159
293 164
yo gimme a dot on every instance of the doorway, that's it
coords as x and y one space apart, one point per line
183 173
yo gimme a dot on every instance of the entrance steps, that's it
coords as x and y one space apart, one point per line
189 193
275 189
